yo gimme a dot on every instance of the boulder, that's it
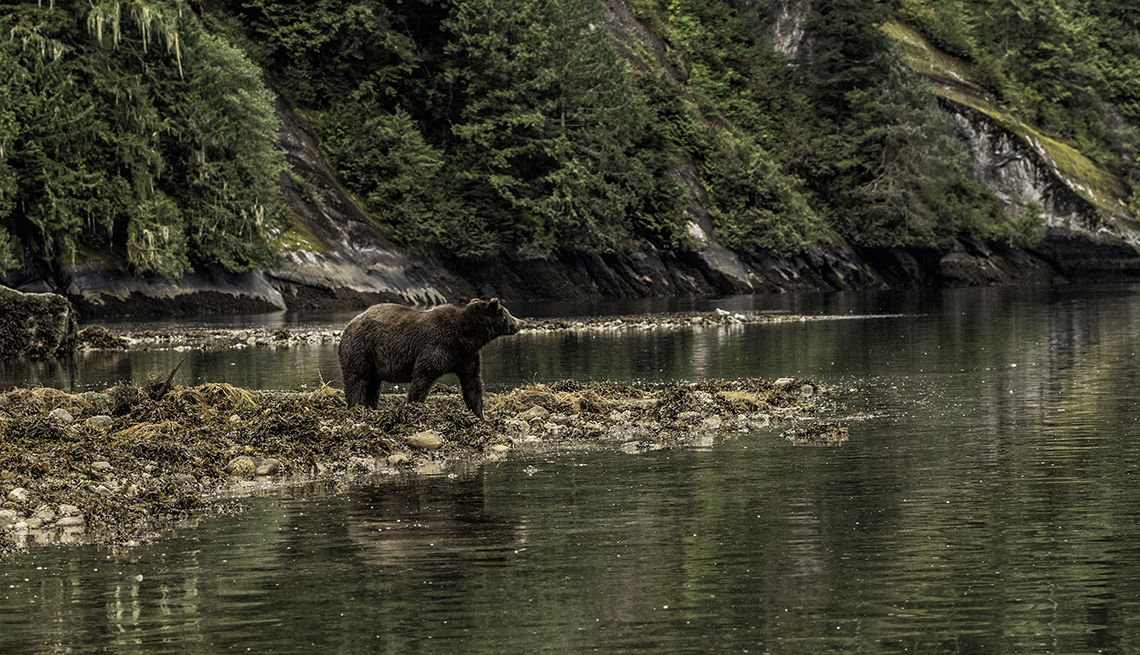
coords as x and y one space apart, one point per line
36 325
426 440
242 466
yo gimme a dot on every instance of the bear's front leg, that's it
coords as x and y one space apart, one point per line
421 385
471 381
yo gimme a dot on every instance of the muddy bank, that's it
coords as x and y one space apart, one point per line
119 467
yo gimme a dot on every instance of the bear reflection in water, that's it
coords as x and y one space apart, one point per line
393 343
428 517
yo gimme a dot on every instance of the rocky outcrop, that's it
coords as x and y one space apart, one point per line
352 263
1018 174
36 325
1079 238
101 289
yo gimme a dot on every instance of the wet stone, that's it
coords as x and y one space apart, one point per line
426 440
268 466
516 427
71 521
100 421
18 495
536 412
61 416
242 467
361 465
638 447
169 459
823 434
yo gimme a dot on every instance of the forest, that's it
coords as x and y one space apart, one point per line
142 131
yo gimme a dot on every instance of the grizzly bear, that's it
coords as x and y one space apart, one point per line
393 343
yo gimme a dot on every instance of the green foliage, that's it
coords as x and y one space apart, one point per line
322 52
221 144
1055 64
916 189
158 153
946 22
477 127
546 134
49 151
754 204
385 157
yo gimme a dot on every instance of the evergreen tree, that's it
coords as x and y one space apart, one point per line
129 133
547 123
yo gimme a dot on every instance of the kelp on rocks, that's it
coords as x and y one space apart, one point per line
121 465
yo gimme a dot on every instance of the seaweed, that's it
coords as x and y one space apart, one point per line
133 461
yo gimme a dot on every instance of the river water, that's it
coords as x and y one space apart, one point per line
987 501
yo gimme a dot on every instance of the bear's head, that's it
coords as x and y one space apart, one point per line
496 317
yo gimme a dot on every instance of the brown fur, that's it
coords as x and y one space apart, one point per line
393 343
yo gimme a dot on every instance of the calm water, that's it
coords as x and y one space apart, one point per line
987 501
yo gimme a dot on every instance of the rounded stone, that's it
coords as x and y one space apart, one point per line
399 459
61 416
361 465
241 466
269 466
536 412
426 440
100 421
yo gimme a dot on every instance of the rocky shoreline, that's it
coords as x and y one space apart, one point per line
98 337
121 466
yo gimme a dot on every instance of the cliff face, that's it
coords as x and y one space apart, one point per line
347 262
1078 236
